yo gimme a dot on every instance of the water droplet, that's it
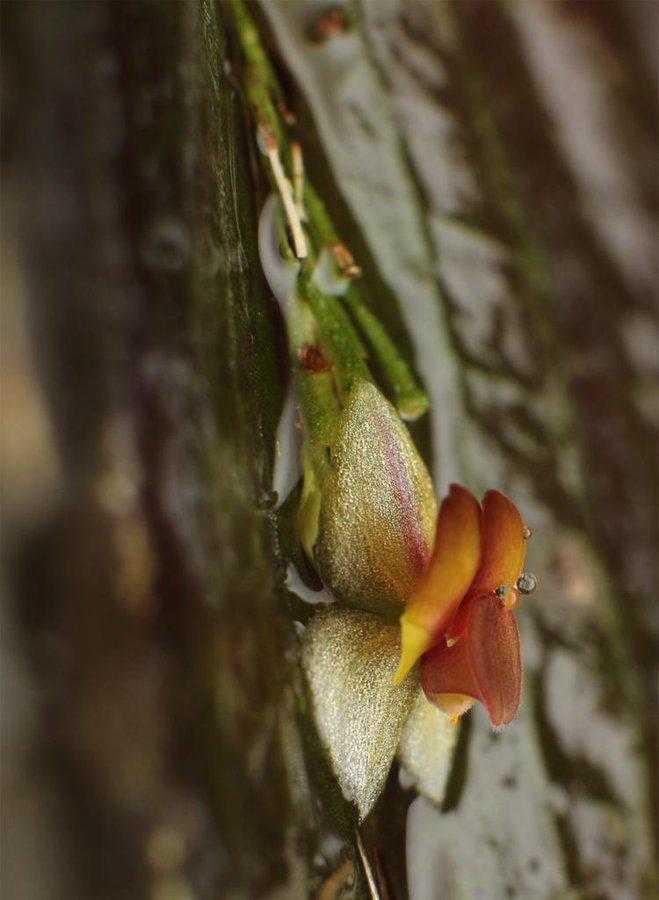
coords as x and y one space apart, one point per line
527 583
527 533
502 590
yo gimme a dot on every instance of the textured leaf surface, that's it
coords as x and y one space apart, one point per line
349 659
377 519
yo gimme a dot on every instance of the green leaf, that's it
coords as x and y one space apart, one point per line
349 659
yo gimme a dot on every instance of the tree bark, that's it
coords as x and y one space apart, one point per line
493 169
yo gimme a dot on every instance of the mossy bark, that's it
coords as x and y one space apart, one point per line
150 589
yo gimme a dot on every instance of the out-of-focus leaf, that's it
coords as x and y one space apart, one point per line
497 836
426 749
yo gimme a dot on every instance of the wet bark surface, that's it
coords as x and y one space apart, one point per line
156 741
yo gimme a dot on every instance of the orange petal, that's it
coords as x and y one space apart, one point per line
451 571
485 663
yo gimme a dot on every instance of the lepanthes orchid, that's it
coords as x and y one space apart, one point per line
421 625
425 602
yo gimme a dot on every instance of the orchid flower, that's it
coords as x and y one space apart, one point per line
462 609
421 626
450 578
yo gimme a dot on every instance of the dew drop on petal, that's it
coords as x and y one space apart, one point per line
526 583
527 533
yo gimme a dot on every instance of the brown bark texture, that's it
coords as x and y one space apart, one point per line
493 168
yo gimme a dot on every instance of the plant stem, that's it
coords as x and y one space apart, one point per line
410 400
338 332
334 325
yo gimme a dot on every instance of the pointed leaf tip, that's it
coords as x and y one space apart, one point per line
426 748
349 658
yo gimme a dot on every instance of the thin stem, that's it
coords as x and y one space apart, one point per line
334 326
338 333
297 162
410 400
261 82
316 392
285 189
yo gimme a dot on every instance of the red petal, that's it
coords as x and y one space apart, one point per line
485 663
497 658
504 546
503 550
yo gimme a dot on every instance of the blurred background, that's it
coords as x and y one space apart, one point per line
493 167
